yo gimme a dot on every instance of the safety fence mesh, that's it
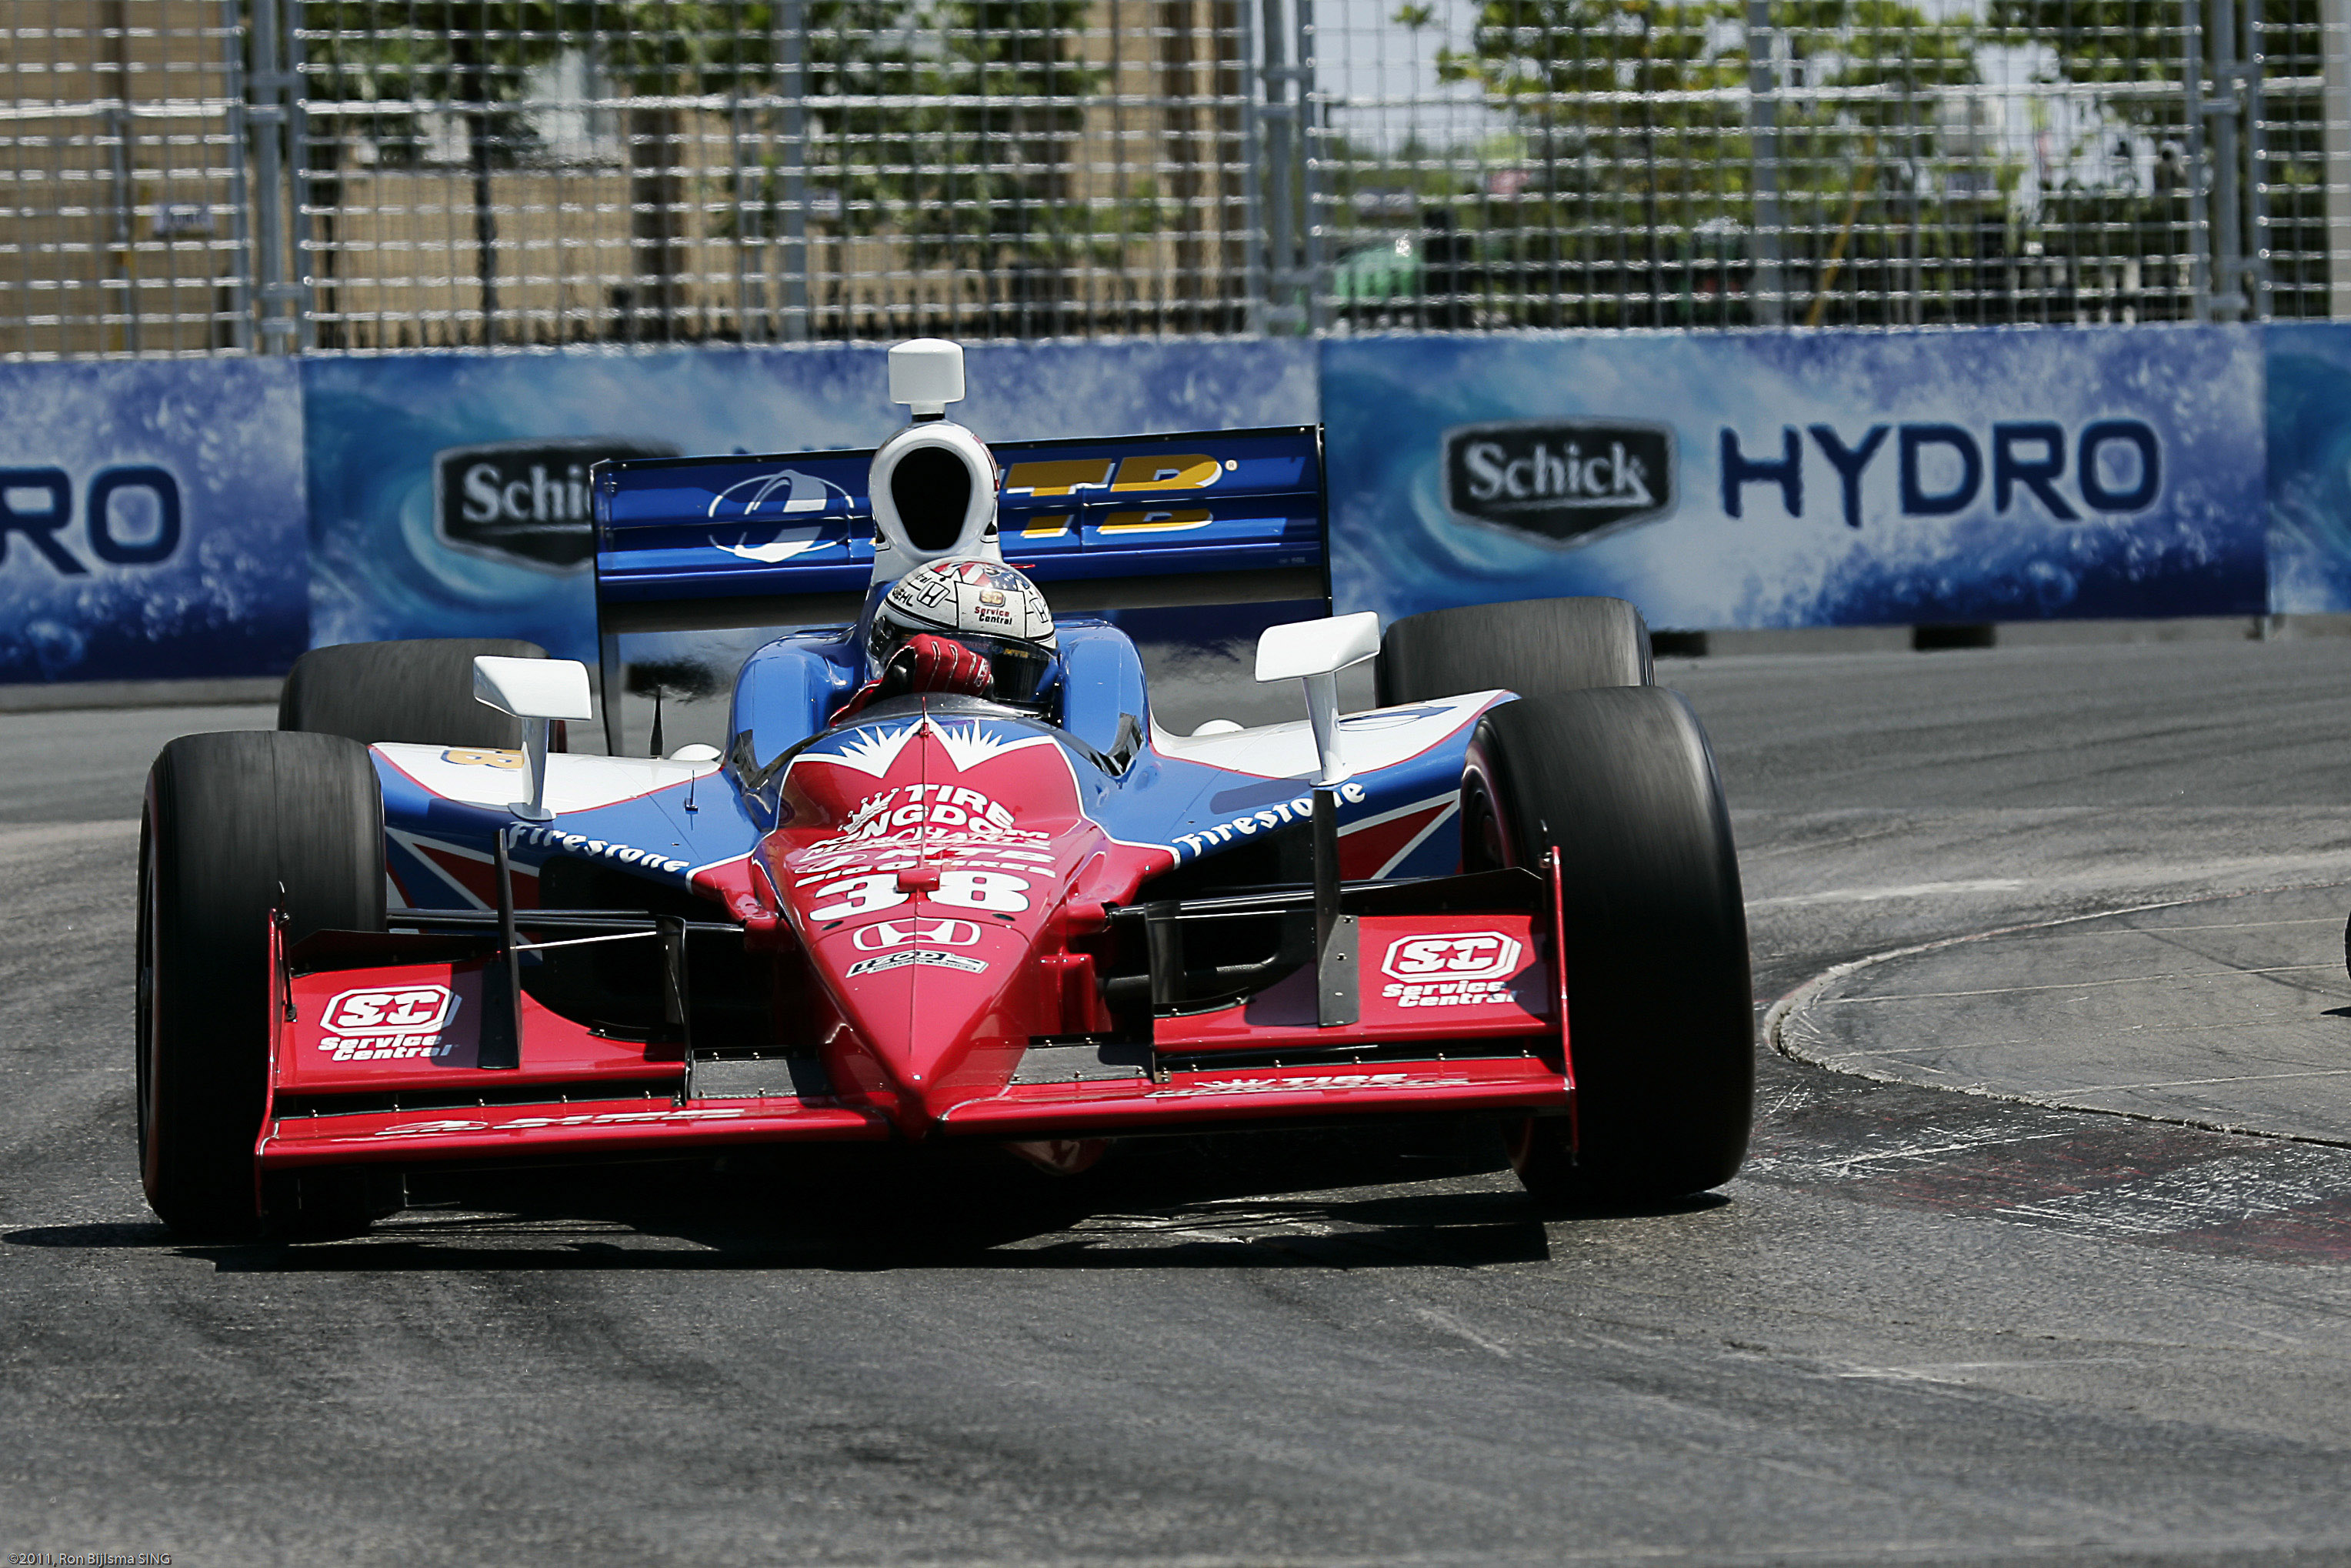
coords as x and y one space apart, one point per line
201 176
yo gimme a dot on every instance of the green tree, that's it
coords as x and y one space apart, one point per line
955 125
2139 43
1637 127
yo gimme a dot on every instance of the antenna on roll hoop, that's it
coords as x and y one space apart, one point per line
926 374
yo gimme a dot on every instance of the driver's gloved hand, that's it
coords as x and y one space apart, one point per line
928 663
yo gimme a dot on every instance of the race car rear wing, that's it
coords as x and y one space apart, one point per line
1116 523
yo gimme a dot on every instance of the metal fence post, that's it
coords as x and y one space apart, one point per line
1278 126
1317 270
301 296
792 63
123 197
2334 48
1253 260
2257 165
265 115
239 304
1766 290
2199 170
2224 108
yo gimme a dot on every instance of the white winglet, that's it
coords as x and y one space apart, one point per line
1317 647
535 691
534 688
1315 652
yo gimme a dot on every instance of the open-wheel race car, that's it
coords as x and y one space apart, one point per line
945 880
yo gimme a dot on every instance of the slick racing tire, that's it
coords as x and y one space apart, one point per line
1532 646
420 691
230 820
1660 1024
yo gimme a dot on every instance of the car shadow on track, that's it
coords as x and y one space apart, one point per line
1338 1200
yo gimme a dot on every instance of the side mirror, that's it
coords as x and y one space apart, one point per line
535 691
1315 652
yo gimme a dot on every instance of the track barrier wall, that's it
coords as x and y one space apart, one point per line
152 521
208 519
1814 479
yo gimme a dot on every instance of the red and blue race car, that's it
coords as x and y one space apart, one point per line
411 929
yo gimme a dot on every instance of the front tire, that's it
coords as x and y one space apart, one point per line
421 691
237 824
1529 647
1660 1017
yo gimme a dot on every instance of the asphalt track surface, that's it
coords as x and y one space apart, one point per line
1924 1326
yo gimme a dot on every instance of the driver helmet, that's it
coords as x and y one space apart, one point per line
986 606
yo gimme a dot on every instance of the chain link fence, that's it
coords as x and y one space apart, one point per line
124 187
211 176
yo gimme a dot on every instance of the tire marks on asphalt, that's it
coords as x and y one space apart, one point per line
2080 1172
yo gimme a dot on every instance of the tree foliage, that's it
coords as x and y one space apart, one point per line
953 123
1646 98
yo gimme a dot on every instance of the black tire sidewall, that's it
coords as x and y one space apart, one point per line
1528 645
1660 1011
230 818
419 692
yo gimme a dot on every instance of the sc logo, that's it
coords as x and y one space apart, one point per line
132 514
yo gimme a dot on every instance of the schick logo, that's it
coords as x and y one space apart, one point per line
1568 481
525 502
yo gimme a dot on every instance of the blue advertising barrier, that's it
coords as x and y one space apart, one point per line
154 515
447 493
151 520
1768 480
2309 466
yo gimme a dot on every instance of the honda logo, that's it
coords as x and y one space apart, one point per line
884 933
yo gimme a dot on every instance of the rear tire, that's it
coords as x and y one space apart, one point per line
230 819
421 691
1529 647
1660 1019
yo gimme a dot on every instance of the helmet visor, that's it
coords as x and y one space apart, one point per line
1023 670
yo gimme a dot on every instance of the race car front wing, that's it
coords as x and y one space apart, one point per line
392 1048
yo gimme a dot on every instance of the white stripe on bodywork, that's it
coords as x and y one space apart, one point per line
1380 738
573 783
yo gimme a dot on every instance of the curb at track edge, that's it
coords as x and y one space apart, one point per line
1776 1016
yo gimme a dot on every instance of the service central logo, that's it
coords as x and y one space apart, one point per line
1562 481
525 502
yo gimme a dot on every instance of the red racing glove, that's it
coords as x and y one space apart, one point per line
926 663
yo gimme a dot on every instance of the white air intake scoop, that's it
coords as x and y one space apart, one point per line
933 491
932 483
